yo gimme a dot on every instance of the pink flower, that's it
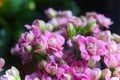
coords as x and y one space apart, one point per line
78 66
93 74
51 68
103 21
25 43
112 60
92 48
55 42
29 38
104 35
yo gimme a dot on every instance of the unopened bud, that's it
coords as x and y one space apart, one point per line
54 22
49 27
30 37
41 26
105 72
51 13
42 64
91 63
71 30
116 38
28 48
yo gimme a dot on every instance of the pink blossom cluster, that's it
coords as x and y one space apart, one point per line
69 48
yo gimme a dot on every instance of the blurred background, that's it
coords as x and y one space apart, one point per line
14 14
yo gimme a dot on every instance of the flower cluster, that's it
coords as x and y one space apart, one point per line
69 48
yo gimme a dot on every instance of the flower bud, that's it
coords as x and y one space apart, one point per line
54 22
51 68
51 13
105 72
76 21
41 26
28 48
91 63
30 37
116 38
91 24
41 48
42 64
71 30
49 27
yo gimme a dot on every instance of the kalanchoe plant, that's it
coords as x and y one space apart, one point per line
69 48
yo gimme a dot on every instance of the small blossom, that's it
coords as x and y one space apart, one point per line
51 68
104 21
112 60
90 47
55 43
